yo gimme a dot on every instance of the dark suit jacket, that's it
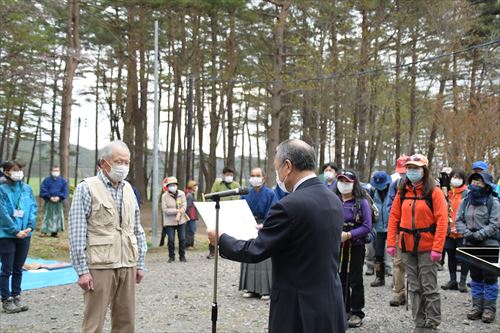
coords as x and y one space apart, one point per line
302 235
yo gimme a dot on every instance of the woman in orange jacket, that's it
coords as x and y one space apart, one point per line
456 194
419 215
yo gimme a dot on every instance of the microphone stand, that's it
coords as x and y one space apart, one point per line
216 199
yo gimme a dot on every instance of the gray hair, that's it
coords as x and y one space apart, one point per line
107 151
298 152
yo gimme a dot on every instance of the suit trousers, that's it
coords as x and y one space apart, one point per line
423 288
115 288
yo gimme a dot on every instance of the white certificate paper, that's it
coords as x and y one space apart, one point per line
235 218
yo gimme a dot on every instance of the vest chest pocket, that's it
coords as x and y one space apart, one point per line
102 214
101 250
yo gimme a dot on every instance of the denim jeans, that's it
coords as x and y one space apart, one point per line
181 234
13 252
190 232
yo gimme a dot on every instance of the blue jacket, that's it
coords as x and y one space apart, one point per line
260 202
18 195
383 211
54 187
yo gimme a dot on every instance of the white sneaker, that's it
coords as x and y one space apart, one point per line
248 295
265 297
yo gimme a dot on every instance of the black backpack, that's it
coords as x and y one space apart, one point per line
374 212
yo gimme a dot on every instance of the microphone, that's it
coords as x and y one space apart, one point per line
228 193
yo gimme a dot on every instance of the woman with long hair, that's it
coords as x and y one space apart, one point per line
357 225
419 215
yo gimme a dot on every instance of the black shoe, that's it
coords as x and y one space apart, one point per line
450 285
462 287
378 282
171 260
182 259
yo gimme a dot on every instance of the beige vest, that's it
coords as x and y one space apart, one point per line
109 244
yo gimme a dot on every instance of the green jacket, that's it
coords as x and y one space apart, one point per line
220 186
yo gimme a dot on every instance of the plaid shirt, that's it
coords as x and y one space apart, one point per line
79 213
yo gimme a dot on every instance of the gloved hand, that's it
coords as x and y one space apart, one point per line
435 256
391 251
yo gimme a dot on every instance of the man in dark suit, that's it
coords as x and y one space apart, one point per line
302 234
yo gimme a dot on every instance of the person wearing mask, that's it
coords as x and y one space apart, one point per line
398 267
190 191
302 236
478 220
380 182
107 243
255 279
357 225
329 172
173 205
458 191
419 215
226 183
18 216
54 190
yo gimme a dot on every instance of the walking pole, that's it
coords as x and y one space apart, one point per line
216 261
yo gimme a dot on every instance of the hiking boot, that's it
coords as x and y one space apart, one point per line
462 286
18 303
474 314
430 326
9 306
488 316
171 260
370 270
355 321
397 301
450 285
182 259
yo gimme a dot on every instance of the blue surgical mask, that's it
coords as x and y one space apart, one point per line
414 175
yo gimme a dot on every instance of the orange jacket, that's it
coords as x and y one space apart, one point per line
455 197
415 214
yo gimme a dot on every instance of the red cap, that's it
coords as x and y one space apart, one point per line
401 164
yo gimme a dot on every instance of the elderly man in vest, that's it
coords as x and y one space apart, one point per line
107 242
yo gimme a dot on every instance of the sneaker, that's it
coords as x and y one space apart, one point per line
20 304
182 259
171 260
355 321
474 314
8 306
248 295
265 297
462 286
370 271
450 285
488 316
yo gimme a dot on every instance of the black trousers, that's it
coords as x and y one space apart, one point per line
352 259
13 252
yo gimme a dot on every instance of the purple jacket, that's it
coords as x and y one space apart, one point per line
358 230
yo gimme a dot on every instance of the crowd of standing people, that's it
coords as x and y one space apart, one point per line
411 216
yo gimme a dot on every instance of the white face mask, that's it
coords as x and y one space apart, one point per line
344 187
55 174
256 181
456 182
228 179
118 172
329 175
16 176
281 184
172 188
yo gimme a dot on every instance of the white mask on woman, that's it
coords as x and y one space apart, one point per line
17 176
344 187
456 182
256 181
172 188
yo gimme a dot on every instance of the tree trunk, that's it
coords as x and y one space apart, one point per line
97 78
214 117
231 68
19 124
72 59
413 91
397 84
132 113
338 134
277 89
436 117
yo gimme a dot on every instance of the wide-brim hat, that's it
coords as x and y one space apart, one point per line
418 160
486 177
170 180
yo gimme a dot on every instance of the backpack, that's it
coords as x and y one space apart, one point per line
374 212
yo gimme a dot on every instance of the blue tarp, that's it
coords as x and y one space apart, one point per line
42 278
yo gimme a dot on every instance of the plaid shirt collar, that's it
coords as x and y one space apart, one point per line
108 182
